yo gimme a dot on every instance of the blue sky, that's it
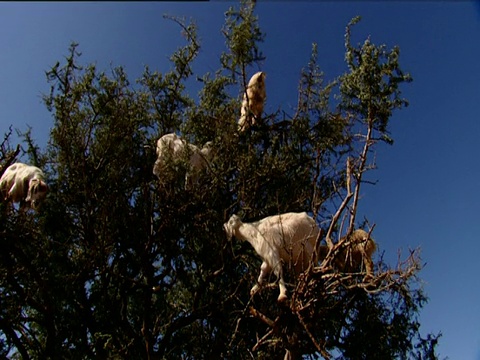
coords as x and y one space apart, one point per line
426 193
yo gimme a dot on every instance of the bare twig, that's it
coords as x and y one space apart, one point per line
346 200
262 340
320 349
359 174
254 312
9 159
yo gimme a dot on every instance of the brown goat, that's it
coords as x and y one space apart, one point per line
358 250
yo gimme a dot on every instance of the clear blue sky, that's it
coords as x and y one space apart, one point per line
427 191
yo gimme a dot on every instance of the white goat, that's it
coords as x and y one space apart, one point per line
173 147
253 101
358 251
287 238
23 183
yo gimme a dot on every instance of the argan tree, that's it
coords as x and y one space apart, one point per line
119 263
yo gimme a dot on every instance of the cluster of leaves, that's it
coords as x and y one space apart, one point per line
120 264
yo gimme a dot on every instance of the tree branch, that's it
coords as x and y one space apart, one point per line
346 200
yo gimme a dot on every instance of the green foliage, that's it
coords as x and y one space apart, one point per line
120 264
371 87
242 35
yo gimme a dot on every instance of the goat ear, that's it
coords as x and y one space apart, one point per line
42 186
228 231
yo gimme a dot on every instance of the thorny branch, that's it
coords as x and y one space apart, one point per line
7 156
358 176
314 286
346 200
320 348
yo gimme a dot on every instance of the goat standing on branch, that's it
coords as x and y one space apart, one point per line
280 239
170 146
21 183
253 101
355 250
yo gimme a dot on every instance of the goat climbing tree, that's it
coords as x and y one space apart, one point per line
120 264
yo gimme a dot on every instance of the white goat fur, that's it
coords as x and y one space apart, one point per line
358 252
21 182
280 239
253 101
171 145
